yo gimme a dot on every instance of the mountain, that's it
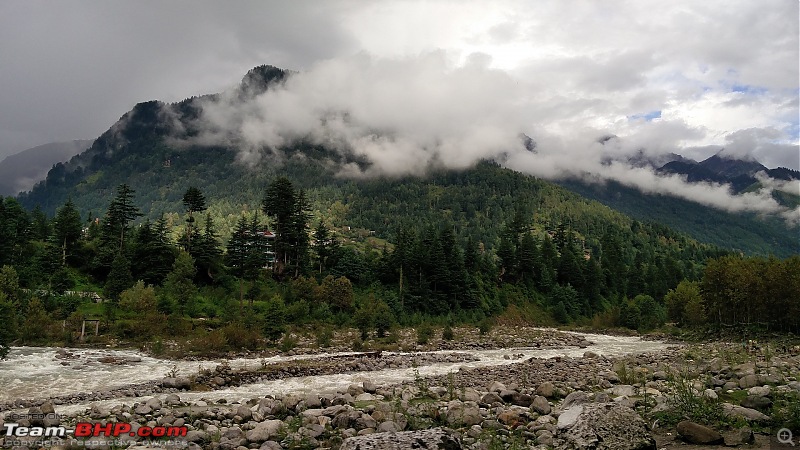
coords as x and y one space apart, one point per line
152 148
19 172
725 169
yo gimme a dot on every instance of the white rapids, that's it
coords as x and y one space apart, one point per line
35 372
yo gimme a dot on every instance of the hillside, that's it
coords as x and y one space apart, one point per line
20 171
148 149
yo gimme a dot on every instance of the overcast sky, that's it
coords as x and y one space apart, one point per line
683 76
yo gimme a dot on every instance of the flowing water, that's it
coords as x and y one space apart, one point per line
36 372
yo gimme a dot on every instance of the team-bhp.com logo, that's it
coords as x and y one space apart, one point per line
89 430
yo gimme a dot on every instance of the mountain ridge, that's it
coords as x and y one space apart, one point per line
152 146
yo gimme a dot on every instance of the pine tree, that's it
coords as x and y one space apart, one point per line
119 278
121 212
67 228
179 285
194 201
325 247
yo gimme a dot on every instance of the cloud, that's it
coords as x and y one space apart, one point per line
406 115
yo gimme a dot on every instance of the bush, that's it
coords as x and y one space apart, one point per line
239 337
447 333
424 333
288 343
324 337
485 325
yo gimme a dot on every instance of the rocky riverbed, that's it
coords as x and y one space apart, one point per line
707 395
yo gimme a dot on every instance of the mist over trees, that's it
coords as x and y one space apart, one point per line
295 261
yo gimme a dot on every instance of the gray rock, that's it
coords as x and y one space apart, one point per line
540 405
574 398
176 383
389 427
431 439
490 398
750 415
369 387
496 386
263 431
569 417
760 391
546 389
196 436
698 434
756 402
748 381
244 412
590 355
605 426
172 400
735 438
462 414
623 390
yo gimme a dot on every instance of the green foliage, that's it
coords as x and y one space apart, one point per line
424 333
119 278
8 332
274 318
179 285
684 303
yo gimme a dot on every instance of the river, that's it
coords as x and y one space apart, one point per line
36 372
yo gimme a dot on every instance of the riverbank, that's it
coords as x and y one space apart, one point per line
706 394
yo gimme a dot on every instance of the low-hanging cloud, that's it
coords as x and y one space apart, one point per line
407 115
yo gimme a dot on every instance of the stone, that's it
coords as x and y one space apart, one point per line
312 401
496 386
369 387
750 415
760 391
172 400
540 405
176 383
509 417
604 426
520 399
748 381
623 390
265 430
735 438
389 426
569 417
431 439
490 398
574 398
196 436
698 434
462 414
365 397
590 355
711 394
244 412
546 389
757 402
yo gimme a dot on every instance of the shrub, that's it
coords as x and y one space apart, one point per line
424 333
447 333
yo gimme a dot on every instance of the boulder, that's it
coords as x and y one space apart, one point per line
574 398
540 405
750 415
748 381
462 414
546 389
263 431
431 439
756 402
603 426
698 434
176 383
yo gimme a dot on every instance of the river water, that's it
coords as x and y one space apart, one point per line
35 372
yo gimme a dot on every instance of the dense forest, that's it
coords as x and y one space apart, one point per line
292 260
